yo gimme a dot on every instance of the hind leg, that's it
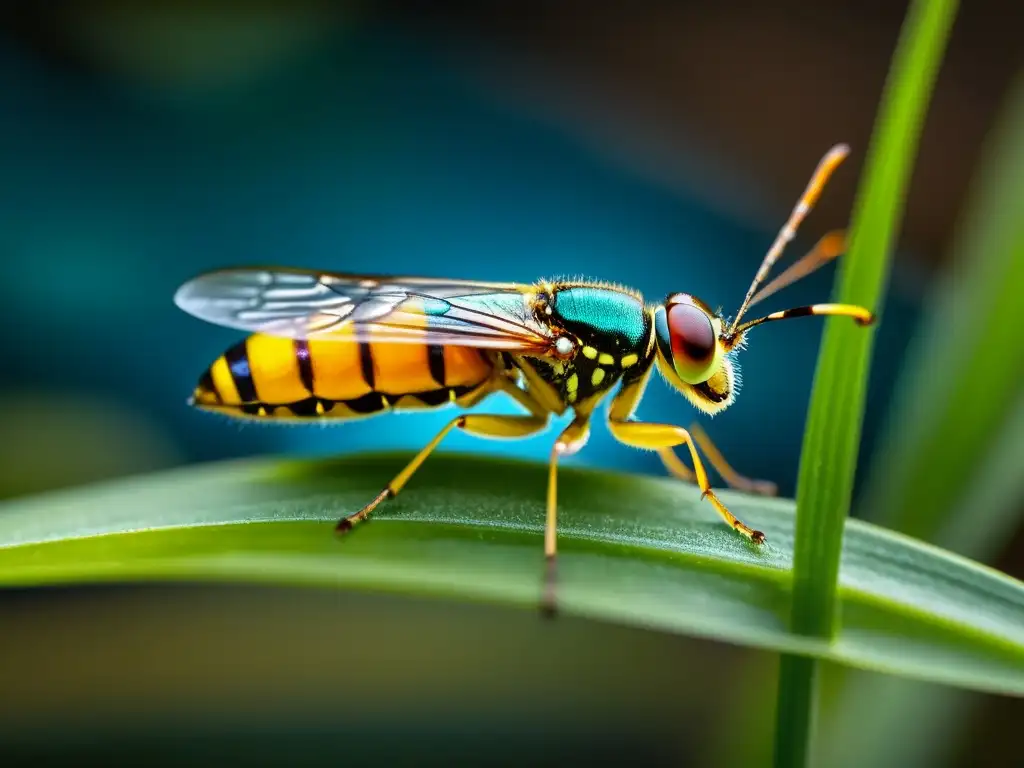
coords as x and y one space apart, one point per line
482 425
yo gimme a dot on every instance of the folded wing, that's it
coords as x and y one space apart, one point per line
305 304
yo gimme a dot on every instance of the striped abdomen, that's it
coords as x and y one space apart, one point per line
279 378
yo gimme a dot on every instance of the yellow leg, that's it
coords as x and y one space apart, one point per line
675 466
731 477
658 437
473 423
573 438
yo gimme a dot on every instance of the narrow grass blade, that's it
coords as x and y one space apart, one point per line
948 471
834 422
965 370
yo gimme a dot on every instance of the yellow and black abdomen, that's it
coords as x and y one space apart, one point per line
276 378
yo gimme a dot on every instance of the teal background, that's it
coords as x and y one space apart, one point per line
369 153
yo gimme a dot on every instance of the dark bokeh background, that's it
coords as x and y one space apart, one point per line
652 143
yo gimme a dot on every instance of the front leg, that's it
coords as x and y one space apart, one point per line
657 437
714 456
665 437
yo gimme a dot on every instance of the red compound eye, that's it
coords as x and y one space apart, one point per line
693 336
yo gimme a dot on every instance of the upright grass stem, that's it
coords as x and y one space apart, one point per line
829 453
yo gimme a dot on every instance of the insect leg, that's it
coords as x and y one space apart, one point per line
573 438
675 466
523 397
663 438
484 425
660 436
731 477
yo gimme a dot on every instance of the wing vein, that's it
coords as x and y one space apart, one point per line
300 304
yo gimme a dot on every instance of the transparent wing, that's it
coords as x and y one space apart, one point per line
304 304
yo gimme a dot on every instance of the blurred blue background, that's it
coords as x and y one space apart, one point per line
157 144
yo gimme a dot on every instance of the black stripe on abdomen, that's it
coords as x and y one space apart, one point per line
305 364
238 363
206 385
366 364
435 359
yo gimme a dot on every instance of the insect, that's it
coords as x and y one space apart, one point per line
330 346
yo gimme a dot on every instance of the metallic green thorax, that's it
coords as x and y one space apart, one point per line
611 330
602 316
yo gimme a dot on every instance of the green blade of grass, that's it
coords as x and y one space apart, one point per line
948 469
971 321
635 551
964 371
829 451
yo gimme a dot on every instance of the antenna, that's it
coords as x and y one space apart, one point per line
828 248
826 166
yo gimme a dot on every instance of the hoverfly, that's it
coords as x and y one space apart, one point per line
330 346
